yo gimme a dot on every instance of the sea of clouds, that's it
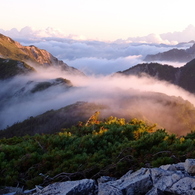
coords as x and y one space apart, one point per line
98 60
101 57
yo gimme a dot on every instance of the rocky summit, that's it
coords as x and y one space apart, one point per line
31 55
168 179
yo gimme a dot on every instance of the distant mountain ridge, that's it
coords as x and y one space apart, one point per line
178 55
183 76
31 55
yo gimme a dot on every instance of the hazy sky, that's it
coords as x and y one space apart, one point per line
99 19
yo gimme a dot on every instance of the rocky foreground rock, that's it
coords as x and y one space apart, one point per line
167 179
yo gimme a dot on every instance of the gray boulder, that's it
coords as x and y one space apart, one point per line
180 166
185 186
137 183
175 179
168 167
168 179
155 191
189 166
163 179
104 179
81 187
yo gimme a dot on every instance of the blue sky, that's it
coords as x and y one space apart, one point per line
99 19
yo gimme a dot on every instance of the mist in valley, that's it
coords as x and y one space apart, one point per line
124 96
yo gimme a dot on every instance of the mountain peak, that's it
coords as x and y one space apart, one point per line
10 49
14 50
4 39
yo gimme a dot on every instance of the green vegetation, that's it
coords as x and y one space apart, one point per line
88 150
10 68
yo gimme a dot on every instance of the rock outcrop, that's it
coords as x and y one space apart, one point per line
172 179
84 186
166 180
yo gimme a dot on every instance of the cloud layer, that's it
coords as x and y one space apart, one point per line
126 96
98 60
98 57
